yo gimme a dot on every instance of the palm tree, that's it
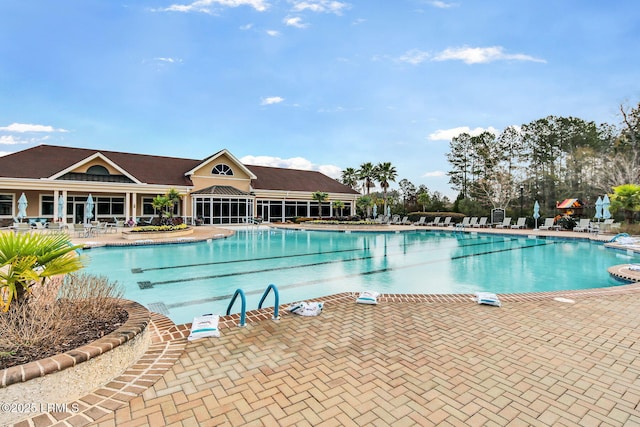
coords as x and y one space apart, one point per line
385 172
367 174
626 198
350 178
338 204
320 196
30 258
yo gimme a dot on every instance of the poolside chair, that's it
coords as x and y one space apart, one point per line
521 223
583 225
548 224
420 221
446 222
435 222
506 223
481 223
405 221
473 221
464 223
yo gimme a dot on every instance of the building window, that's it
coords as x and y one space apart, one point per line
221 169
97 170
46 205
6 204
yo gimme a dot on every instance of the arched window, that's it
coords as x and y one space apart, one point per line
97 170
221 169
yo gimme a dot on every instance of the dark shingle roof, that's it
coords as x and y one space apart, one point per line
44 161
222 190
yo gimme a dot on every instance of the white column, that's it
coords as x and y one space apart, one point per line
127 207
65 196
134 205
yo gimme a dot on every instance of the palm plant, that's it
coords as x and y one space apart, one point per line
367 174
338 204
30 258
320 196
385 172
350 177
626 198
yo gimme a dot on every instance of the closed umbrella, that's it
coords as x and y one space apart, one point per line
536 212
60 208
605 207
88 209
598 209
375 211
22 206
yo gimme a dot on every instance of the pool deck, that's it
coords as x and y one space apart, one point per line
568 358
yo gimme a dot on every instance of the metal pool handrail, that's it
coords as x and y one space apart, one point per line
243 309
277 300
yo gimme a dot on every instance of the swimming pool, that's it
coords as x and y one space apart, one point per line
185 280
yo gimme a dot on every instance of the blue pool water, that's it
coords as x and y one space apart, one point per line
185 280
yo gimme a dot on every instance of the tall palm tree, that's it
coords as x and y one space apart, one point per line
350 177
385 172
367 174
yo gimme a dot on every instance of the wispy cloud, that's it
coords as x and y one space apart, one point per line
206 6
468 55
434 174
292 163
481 55
295 22
168 60
448 134
271 100
273 33
24 127
320 6
441 4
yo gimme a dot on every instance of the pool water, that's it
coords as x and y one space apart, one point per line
186 280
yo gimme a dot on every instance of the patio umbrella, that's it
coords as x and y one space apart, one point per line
88 209
60 207
598 209
389 211
605 207
22 206
375 211
536 212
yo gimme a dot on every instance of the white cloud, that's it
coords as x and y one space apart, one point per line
441 4
273 33
10 140
468 55
4 153
205 6
295 22
168 60
414 56
481 55
24 127
434 174
448 134
246 27
292 163
320 6
272 100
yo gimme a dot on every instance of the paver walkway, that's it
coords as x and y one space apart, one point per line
540 363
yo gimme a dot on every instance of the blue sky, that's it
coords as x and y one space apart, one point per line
310 84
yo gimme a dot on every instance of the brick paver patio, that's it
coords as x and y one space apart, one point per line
410 360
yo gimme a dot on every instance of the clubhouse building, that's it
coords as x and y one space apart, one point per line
57 182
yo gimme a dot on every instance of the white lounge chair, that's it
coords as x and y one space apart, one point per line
506 223
435 221
521 223
420 221
482 222
583 225
473 221
548 224
464 223
446 222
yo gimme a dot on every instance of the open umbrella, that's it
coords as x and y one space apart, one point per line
88 209
598 209
605 207
22 206
536 212
60 208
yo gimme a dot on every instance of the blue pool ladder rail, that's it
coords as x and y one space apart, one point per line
276 295
243 308
243 300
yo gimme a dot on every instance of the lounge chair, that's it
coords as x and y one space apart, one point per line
435 222
583 225
473 221
548 224
420 221
481 223
21 227
506 223
405 221
464 223
521 223
446 222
